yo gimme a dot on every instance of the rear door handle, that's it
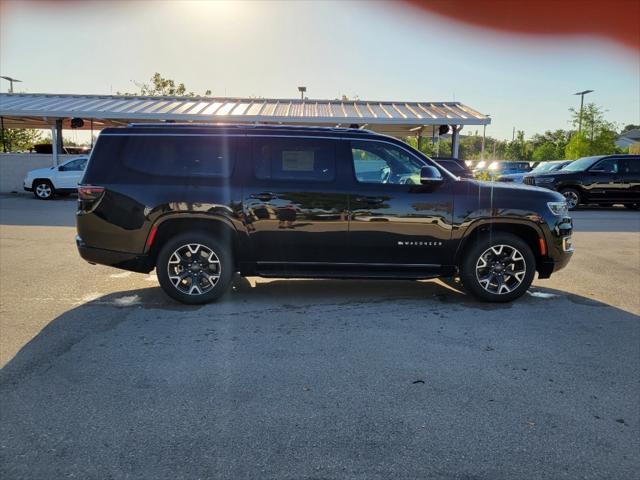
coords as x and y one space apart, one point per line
263 197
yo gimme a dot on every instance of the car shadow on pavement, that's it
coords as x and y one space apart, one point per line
135 385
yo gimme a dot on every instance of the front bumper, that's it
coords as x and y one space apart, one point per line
559 247
127 261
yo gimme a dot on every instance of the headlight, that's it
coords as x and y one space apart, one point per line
558 208
540 180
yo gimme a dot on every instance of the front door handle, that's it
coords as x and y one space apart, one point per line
263 197
370 200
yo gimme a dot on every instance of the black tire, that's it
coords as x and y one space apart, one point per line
471 259
572 196
197 276
632 206
43 190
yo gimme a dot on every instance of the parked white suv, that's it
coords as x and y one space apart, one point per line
61 180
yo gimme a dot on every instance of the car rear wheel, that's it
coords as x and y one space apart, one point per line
43 189
498 268
572 196
194 268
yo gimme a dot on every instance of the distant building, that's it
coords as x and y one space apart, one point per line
631 140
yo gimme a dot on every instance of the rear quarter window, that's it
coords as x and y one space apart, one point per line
176 156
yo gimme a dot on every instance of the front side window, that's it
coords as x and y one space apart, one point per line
75 165
375 162
303 159
608 165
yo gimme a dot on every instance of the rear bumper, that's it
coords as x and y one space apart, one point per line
127 261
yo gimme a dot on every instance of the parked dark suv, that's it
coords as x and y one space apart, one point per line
604 179
200 203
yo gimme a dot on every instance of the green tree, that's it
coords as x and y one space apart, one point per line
577 147
158 86
20 139
518 149
549 145
596 137
546 151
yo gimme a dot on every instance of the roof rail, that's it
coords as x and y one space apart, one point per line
170 124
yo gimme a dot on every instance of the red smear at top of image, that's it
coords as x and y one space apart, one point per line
615 19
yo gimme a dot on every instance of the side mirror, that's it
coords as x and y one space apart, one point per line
430 176
61 168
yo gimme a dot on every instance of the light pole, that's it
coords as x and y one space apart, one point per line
11 80
302 90
582 94
484 135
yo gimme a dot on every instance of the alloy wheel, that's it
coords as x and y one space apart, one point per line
194 269
572 198
501 269
44 190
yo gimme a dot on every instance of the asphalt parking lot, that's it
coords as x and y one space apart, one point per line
104 377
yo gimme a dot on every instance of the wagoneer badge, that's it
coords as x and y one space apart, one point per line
420 244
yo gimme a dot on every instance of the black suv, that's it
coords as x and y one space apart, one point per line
200 203
603 179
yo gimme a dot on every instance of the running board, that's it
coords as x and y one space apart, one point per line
351 271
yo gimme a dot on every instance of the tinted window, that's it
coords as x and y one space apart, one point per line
452 166
294 159
631 165
609 165
177 156
375 162
580 164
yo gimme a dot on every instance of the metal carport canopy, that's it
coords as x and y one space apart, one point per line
40 110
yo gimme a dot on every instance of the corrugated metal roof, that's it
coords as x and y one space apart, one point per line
41 110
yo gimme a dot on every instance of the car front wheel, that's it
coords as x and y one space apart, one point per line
194 268
43 190
498 268
572 196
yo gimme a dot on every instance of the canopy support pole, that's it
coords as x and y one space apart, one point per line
56 141
54 145
455 140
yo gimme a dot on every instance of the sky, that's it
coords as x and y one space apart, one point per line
374 50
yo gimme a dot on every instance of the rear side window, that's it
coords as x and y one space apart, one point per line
294 159
132 158
632 165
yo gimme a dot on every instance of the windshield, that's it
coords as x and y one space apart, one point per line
581 164
544 167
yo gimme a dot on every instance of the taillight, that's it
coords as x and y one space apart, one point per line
90 193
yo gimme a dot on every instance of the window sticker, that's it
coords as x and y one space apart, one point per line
298 160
